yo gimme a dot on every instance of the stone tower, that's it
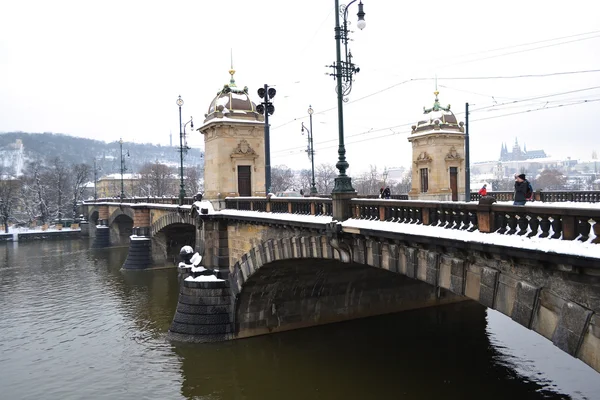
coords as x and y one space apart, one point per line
438 143
233 132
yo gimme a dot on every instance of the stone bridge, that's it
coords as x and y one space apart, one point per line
154 232
292 263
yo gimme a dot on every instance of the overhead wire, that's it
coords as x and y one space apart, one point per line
571 102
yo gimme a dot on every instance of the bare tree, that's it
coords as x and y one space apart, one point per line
9 189
550 179
34 191
368 182
158 179
193 176
79 176
282 178
304 180
325 178
58 178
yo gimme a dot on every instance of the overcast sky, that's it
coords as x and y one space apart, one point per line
112 69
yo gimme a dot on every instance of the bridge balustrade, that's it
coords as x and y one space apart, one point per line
555 223
302 206
580 196
137 200
566 223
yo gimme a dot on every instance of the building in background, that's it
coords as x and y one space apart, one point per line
518 155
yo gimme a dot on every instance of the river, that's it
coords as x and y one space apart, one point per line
73 326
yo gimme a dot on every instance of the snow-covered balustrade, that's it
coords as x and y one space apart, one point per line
451 215
138 200
579 196
538 220
567 223
292 205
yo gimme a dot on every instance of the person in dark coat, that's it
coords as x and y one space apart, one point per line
387 192
521 186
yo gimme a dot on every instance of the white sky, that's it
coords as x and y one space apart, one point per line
112 69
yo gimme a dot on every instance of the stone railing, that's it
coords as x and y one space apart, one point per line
136 200
292 205
592 196
565 223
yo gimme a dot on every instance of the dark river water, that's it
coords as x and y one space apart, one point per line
73 326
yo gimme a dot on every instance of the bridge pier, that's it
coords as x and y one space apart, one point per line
139 255
204 312
102 237
85 228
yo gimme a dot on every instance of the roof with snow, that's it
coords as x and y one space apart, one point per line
437 119
232 104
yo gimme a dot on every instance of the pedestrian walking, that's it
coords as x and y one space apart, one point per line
381 193
522 187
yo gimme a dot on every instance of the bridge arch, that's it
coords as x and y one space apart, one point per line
128 211
532 299
120 223
170 233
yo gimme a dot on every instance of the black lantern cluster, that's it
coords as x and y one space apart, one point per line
267 108
267 94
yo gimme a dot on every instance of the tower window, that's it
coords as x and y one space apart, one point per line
424 180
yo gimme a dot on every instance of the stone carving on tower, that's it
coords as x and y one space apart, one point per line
234 163
438 164
243 150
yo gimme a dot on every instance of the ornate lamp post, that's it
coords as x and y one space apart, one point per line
343 71
311 150
123 168
96 169
181 187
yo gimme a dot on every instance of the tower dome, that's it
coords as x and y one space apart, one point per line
232 102
438 119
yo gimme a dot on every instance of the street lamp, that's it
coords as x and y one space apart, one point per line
181 186
311 150
123 168
96 169
267 108
343 71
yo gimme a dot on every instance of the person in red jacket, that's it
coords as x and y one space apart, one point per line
483 190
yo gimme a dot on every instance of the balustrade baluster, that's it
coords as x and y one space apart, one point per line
523 223
534 224
413 215
583 228
473 220
545 226
556 227
457 219
465 220
450 219
501 222
433 217
395 214
442 217
512 223
419 216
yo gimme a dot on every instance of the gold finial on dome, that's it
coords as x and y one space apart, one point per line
231 70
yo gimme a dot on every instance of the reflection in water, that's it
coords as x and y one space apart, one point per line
75 326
